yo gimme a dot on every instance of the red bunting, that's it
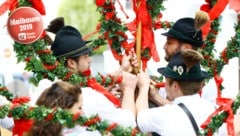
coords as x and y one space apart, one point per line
92 121
21 100
76 115
213 13
218 81
235 5
8 5
225 104
95 85
39 6
100 3
147 39
224 55
121 8
111 127
21 126
160 84
217 9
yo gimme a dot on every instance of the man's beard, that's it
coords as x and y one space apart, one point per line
169 56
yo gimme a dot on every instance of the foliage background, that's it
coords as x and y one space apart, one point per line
79 13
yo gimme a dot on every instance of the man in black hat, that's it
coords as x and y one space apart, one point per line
68 44
184 79
184 34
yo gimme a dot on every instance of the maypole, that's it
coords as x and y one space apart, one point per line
142 29
138 42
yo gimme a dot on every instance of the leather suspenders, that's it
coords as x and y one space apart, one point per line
190 116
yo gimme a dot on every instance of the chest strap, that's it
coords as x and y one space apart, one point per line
190 116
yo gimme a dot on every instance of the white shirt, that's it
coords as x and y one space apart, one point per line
96 103
5 122
171 120
209 91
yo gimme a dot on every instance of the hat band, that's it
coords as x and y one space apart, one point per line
185 38
184 76
73 52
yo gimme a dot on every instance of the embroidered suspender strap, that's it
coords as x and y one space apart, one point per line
190 116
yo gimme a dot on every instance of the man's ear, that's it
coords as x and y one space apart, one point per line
71 63
176 86
187 46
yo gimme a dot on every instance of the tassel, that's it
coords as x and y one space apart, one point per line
201 18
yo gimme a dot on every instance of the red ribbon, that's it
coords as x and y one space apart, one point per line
92 121
51 115
225 104
21 100
217 9
111 127
213 13
39 6
121 8
67 76
86 72
8 5
21 126
50 67
100 3
147 38
224 55
76 115
160 84
95 85
218 80
234 4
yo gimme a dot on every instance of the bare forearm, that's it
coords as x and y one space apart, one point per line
159 100
128 101
142 100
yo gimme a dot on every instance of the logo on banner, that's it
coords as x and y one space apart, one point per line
25 25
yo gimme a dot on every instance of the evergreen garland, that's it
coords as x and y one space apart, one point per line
40 60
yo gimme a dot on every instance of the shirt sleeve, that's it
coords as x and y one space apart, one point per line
146 120
96 103
7 122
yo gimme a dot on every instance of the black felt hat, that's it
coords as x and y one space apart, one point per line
184 67
69 43
189 29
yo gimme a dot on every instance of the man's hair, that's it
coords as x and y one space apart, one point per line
189 87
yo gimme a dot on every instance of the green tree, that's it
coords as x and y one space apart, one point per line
81 14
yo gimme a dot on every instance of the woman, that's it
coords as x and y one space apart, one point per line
66 96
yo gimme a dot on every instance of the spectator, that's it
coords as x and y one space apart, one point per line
68 97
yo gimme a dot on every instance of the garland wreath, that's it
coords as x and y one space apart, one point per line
40 60
210 63
21 111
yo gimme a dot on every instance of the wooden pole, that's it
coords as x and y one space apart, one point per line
138 44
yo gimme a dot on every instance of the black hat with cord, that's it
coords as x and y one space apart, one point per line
68 40
184 66
189 29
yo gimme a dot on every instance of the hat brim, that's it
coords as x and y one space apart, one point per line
173 35
86 51
173 75
167 34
